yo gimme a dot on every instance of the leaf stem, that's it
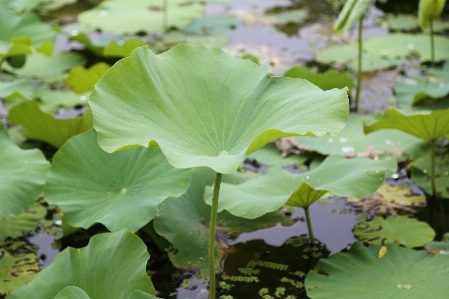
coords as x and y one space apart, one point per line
432 44
309 225
359 66
213 225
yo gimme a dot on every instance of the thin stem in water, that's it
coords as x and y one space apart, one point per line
359 66
432 44
309 225
213 225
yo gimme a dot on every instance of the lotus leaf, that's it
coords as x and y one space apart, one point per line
15 271
16 89
328 80
400 22
134 16
184 221
111 266
174 38
120 190
417 89
16 226
26 24
82 80
351 141
409 232
390 199
277 187
220 109
352 12
402 273
270 155
41 126
95 45
17 46
72 293
22 174
141 295
41 5
429 10
439 247
289 16
427 125
122 48
51 100
211 25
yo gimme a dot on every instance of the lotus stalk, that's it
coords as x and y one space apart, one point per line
359 64
309 225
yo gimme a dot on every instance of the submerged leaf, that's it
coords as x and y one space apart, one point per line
220 110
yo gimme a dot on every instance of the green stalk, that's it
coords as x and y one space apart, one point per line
165 15
359 67
309 225
432 147
432 44
213 225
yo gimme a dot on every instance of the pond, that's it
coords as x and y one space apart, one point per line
298 210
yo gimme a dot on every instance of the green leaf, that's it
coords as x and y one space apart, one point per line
221 111
399 22
352 141
16 89
120 190
184 221
122 48
41 126
141 295
174 38
270 155
402 273
325 81
147 15
82 80
41 5
352 12
211 25
340 176
22 175
284 17
111 266
429 10
417 89
72 293
439 247
409 232
52 100
427 125
16 226
16 271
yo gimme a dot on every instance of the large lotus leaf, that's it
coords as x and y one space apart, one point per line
41 126
77 293
111 266
328 80
439 247
421 172
52 100
212 25
174 38
41 5
120 190
16 271
122 48
134 16
399 46
283 17
22 175
141 295
270 155
16 89
16 226
427 125
352 12
429 10
17 46
82 80
409 232
402 273
337 175
204 108
352 141
26 24
399 22
417 89
391 200
184 221
48 68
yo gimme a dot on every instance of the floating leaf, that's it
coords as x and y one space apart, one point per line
223 113
211 25
134 16
22 175
16 89
427 125
402 273
122 48
270 155
328 80
352 141
390 199
52 100
400 22
277 187
429 10
439 247
409 232
120 190
41 5
417 89
174 38
16 271
184 221
16 226
284 17
352 12
111 266
82 80
41 126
